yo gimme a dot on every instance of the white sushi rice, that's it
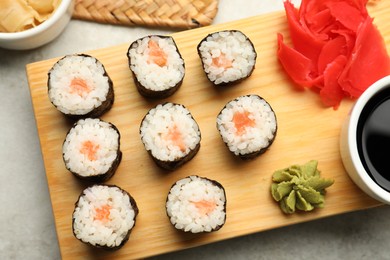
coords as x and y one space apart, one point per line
236 47
150 75
182 210
253 138
102 135
81 67
159 122
109 232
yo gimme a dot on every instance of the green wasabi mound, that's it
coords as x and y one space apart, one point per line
299 187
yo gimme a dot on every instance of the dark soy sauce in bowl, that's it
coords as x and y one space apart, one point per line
373 138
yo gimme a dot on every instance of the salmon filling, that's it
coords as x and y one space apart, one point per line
79 86
241 121
103 213
156 54
89 149
205 207
222 62
176 137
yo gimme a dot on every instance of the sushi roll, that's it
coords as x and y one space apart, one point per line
196 204
91 149
104 216
79 86
157 66
170 134
247 125
227 56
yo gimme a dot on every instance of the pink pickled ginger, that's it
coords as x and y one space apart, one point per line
336 48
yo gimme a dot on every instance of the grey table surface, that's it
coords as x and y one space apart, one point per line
27 229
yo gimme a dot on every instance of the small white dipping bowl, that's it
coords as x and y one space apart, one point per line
349 147
43 33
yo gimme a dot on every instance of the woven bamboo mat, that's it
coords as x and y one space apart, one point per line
161 13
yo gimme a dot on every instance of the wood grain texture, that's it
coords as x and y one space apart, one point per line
306 131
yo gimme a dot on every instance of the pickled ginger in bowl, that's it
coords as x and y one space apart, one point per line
28 24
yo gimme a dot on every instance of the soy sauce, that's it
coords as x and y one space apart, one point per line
374 138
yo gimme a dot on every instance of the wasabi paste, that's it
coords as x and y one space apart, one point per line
299 187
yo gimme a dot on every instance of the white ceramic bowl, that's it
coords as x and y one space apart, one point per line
349 148
43 33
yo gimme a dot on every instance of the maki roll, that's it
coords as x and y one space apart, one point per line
196 204
104 216
157 66
247 125
227 56
91 149
79 86
170 134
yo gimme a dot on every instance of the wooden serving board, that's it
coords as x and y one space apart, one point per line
306 130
